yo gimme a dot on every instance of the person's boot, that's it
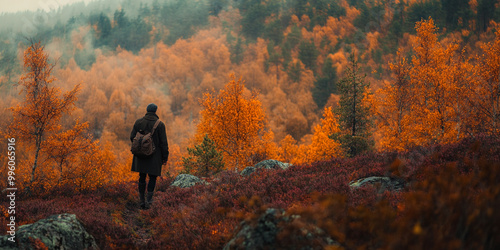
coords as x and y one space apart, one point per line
142 193
150 200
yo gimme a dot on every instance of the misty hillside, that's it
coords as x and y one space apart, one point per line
297 50
292 54
295 59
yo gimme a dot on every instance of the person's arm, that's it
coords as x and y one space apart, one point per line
163 142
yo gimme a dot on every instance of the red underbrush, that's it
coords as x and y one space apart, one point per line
449 202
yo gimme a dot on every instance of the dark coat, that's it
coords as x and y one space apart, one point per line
153 164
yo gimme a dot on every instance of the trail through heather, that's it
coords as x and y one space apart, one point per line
135 219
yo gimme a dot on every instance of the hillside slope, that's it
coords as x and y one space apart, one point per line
448 202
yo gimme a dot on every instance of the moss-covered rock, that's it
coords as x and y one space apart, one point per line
187 180
61 231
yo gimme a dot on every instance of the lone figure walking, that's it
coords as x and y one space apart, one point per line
150 165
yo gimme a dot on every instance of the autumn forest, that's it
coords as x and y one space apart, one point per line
339 89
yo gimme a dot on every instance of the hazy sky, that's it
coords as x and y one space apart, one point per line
21 5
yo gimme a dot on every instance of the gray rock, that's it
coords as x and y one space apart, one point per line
262 235
61 231
386 183
266 164
187 180
247 171
272 164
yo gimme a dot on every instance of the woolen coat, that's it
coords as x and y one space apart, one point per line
151 165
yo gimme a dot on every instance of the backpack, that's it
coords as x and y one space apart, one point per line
142 144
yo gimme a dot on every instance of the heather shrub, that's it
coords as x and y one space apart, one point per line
450 207
450 201
100 212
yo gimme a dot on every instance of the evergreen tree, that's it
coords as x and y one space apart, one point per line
423 10
275 60
252 21
485 12
308 54
326 85
353 111
457 13
293 38
237 51
274 31
8 61
204 159
295 71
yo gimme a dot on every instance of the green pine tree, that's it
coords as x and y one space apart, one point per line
325 85
354 113
308 54
203 159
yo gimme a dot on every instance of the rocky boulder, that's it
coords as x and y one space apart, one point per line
247 171
61 231
187 180
272 164
263 234
266 164
384 183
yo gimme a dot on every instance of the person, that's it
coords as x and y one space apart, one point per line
151 165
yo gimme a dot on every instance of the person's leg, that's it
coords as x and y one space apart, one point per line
151 188
142 189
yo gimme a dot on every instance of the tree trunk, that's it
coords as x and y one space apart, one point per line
35 163
354 104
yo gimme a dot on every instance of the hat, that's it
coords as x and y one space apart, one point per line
152 107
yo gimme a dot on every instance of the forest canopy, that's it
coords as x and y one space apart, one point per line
294 57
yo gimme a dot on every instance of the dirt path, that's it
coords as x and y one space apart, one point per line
134 217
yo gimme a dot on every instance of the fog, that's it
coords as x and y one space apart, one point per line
7 6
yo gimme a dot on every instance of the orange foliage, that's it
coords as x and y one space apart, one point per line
43 107
52 155
234 121
426 104
486 94
118 85
435 119
288 149
393 108
335 28
65 147
321 147
174 164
